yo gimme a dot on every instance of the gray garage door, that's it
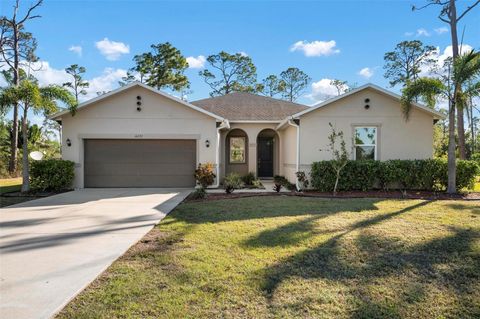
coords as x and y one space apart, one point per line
139 163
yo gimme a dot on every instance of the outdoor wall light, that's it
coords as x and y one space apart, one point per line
207 143
69 143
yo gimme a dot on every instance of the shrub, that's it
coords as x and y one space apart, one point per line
257 184
302 180
52 175
281 181
204 174
199 193
430 174
248 179
232 182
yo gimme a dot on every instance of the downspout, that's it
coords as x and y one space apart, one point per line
225 124
297 164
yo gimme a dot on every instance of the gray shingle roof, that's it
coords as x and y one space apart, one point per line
249 107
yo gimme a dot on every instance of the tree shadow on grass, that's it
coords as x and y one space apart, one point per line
267 207
449 262
466 208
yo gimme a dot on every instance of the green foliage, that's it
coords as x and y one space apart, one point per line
272 85
52 175
163 67
248 179
340 156
78 85
281 181
232 182
233 73
204 174
199 193
405 62
428 89
430 174
302 180
294 82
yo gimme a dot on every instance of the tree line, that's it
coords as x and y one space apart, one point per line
164 65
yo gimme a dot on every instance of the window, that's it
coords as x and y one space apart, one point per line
237 150
365 143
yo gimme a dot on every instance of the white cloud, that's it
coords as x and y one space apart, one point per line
243 53
441 30
440 57
366 72
47 75
422 32
408 34
316 48
196 62
106 81
323 90
76 49
112 50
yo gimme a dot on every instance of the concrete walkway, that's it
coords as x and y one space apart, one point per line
52 248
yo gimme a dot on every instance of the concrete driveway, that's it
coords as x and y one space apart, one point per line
52 248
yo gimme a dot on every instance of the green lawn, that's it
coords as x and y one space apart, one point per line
8 185
292 257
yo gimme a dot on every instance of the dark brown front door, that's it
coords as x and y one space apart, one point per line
265 156
139 163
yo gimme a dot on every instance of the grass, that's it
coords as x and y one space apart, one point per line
9 185
291 257
476 188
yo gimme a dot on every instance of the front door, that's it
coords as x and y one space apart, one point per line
265 156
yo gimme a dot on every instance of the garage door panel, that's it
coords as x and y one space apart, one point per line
126 169
139 163
139 181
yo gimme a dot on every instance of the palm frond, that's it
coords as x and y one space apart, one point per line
427 89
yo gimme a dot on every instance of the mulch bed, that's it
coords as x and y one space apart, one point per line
349 194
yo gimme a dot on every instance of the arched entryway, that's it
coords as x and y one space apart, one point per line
267 153
236 152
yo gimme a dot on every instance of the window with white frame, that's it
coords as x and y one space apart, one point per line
365 143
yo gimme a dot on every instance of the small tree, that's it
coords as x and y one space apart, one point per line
17 46
295 82
161 68
29 96
78 85
339 153
272 85
230 73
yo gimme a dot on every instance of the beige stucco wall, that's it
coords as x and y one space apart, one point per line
397 138
117 117
288 140
252 130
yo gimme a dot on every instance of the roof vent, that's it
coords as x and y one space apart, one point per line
367 106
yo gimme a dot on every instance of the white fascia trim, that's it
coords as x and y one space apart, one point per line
283 123
130 85
254 121
436 114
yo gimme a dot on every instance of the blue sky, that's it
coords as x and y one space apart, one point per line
362 32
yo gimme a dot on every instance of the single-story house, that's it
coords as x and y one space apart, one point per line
137 136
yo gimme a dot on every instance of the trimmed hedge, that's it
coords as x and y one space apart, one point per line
52 175
430 174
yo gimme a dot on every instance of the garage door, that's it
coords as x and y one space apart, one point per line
139 163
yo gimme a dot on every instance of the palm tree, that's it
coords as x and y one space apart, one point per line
30 96
466 68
